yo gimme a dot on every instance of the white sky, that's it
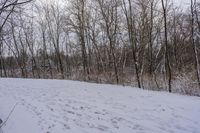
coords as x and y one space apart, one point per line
179 3
182 3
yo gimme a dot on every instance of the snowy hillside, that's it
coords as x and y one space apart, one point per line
55 106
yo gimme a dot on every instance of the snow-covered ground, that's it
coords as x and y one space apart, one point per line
55 106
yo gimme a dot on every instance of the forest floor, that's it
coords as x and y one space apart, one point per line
58 106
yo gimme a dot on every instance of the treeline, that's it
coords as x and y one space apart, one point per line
149 44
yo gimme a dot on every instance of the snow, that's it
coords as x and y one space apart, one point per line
58 106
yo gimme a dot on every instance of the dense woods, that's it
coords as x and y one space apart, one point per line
150 44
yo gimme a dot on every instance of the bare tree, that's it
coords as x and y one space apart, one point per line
54 20
194 44
109 12
167 61
8 6
112 41
128 11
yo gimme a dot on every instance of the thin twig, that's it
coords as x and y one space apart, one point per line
8 116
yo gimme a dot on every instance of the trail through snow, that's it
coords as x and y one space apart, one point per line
56 106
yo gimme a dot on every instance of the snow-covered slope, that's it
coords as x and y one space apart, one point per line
55 106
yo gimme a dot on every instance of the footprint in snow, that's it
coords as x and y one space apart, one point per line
102 128
1 121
